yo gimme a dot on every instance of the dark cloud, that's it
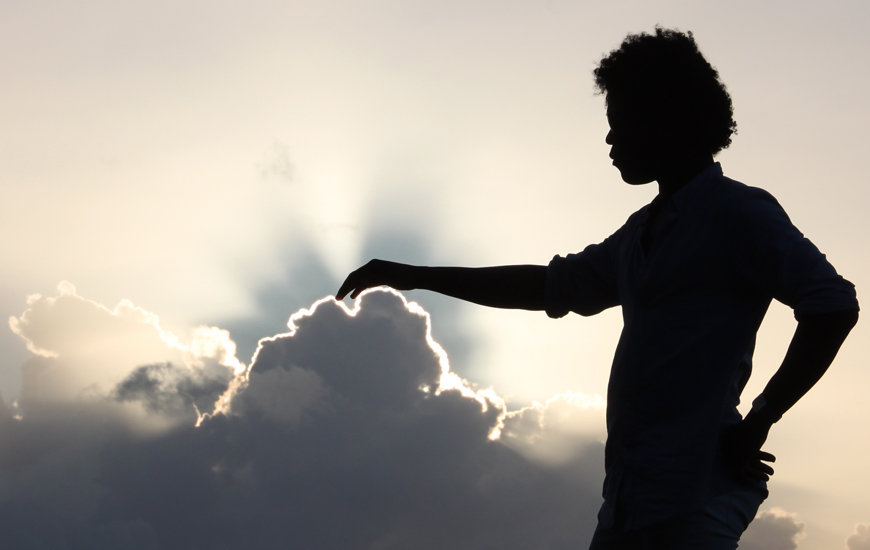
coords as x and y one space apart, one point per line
84 349
860 539
773 529
168 389
337 437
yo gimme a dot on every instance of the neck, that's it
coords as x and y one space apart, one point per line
681 173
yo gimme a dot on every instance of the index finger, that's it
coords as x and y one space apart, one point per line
346 287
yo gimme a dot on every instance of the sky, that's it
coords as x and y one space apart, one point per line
178 178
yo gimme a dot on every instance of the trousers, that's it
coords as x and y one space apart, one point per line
716 526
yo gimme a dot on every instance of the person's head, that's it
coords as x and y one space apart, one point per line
664 100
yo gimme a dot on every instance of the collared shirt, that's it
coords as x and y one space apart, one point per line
691 308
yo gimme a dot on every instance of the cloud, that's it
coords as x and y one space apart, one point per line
773 529
860 539
349 431
277 164
557 431
166 389
84 350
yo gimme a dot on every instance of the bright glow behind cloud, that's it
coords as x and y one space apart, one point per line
87 350
136 135
348 431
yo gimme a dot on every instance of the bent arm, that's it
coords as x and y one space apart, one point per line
509 286
816 342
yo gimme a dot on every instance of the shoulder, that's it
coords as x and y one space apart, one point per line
750 207
745 195
623 234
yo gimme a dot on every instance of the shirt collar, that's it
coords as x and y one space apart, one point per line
694 191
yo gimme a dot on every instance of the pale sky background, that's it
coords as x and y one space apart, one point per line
228 163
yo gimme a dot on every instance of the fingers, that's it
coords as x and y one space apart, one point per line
348 285
360 280
767 457
756 470
352 283
766 468
741 446
377 273
342 291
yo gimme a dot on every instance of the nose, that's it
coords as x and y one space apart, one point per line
609 138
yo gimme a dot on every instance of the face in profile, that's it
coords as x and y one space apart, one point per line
635 147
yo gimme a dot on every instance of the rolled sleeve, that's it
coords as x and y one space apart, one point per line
821 289
584 283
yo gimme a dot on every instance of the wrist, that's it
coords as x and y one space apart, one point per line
762 411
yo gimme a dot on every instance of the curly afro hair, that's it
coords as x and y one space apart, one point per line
664 80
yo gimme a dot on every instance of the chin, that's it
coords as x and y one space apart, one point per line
635 179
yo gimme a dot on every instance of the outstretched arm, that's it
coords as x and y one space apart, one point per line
508 286
816 342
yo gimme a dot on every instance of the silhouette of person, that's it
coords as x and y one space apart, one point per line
694 272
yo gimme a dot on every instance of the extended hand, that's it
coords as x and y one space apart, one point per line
376 273
742 445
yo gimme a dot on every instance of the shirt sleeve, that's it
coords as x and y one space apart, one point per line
586 282
784 264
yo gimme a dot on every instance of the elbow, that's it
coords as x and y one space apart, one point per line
832 323
853 318
847 318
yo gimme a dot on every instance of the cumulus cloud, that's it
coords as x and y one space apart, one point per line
773 529
860 539
349 431
557 431
85 350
